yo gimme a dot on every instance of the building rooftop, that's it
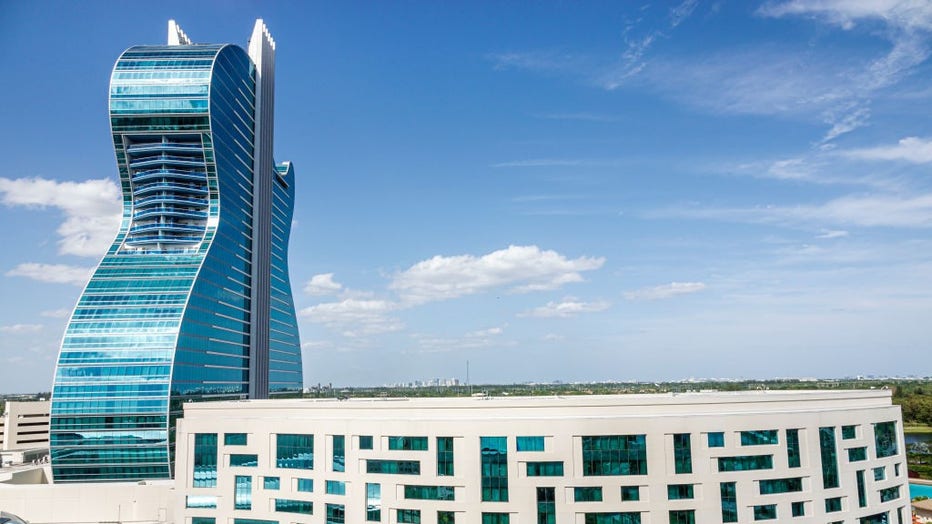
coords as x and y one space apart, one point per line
583 406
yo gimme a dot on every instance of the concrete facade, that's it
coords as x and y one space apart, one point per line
870 463
25 425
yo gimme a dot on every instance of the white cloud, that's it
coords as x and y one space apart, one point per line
582 117
354 317
520 268
312 345
903 14
490 332
832 233
541 162
665 291
322 284
907 24
56 313
910 149
91 209
52 273
16 329
568 307
851 210
482 338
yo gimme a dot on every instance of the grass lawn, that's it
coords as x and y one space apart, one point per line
916 428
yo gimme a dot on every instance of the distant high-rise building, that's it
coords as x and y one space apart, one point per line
192 301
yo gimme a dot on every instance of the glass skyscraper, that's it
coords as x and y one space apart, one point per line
192 301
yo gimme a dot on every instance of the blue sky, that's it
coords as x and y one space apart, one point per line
549 190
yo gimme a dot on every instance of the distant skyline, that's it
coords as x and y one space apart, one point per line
551 191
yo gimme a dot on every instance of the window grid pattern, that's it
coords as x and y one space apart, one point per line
829 455
148 332
614 455
494 464
444 456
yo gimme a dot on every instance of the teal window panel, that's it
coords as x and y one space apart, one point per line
848 432
234 439
786 485
429 492
880 473
745 463
765 512
203 520
365 442
494 468
496 518
205 460
407 443
244 460
408 516
857 454
587 494
335 514
271 483
339 453
798 509
373 502
530 443
294 451
614 455
682 516
829 455
242 492
885 438
682 453
877 518
679 491
833 504
393 467
335 487
760 437
729 499
546 505
200 501
305 485
793 455
862 489
446 517
630 493
613 518
545 469
302 507
444 456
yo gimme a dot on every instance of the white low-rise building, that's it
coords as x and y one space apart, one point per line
778 456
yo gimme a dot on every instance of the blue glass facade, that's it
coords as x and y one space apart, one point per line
167 317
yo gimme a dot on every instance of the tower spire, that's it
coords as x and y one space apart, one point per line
175 35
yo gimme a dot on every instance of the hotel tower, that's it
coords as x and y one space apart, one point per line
192 300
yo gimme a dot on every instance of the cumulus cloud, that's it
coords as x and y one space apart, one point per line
518 268
91 209
354 317
910 149
322 284
52 273
16 329
665 291
568 307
